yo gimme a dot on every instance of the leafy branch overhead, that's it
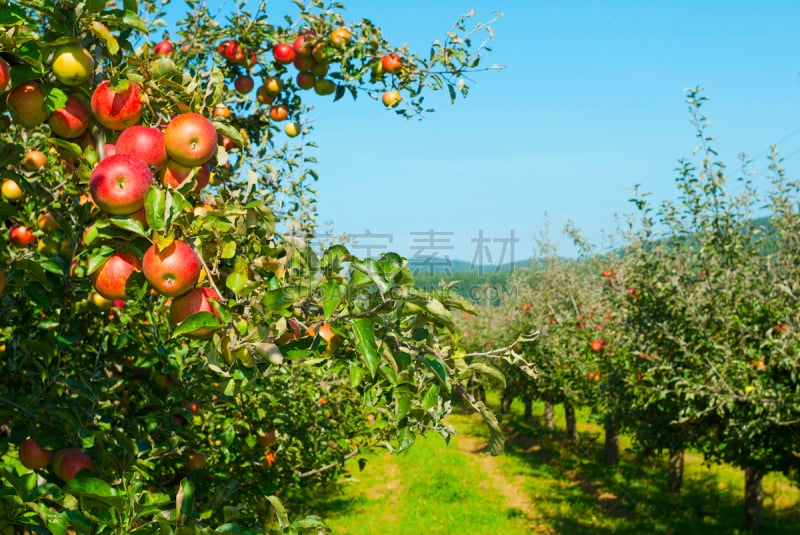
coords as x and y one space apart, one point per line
181 348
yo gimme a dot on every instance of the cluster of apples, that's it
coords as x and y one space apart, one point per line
178 153
311 55
65 463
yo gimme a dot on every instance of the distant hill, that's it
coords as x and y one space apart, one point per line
474 282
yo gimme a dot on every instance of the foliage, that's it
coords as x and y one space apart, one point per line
305 356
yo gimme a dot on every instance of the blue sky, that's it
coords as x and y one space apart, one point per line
591 102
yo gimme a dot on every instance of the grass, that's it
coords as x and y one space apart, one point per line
544 485
432 488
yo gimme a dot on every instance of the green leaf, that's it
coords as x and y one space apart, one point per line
98 256
96 6
279 299
238 277
365 343
333 293
485 369
431 397
155 203
436 309
96 489
69 148
227 130
101 31
132 20
54 99
280 512
12 15
356 374
130 224
496 439
439 369
311 523
402 405
370 268
200 320
184 500
229 249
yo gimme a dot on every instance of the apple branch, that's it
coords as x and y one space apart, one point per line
329 465
207 270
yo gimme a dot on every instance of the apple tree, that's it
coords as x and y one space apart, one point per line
178 353
714 305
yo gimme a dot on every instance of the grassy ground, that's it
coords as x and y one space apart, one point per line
543 485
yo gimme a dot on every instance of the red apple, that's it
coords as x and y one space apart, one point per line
263 95
220 110
163 48
117 110
250 59
69 461
283 53
21 236
112 276
145 143
34 456
34 160
227 143
5 75
597 345
72 120
244 84
279 113
340 36
392 63
191 139
25 102
119 184
175 174
304 63
304 44
190 303
232 51
305 80
172 271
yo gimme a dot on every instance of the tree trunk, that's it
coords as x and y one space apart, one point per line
612 444
572 427
528 401
675 470
753 500
549 415
505 402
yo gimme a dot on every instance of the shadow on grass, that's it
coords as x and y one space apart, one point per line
575 492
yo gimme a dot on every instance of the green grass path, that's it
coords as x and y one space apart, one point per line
434 488
543 485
